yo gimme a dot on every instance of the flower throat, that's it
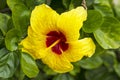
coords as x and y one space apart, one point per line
57 42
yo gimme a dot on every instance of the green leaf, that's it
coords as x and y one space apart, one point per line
91 63
1 39
28 65
48 2
117 7
89 3
108 34
10 24
11 4
72 3
11 39
3 23
2 4
63 77
21 18
19 74
41 76
91 24
99 50
20 15
117 68
104 7
59 7
66 3
76 3
109 59
100 74
8 63
75 71
30 4
49 71
37 2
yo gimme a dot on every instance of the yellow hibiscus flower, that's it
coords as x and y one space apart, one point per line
53 38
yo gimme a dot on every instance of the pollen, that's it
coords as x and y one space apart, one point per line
57 42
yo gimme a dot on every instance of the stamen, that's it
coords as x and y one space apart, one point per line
56 41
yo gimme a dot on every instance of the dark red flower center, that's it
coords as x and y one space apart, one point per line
58 42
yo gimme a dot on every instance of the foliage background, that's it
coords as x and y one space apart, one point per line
103 25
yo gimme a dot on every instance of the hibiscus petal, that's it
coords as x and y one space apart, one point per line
70 23
43 19
57 62
80 48
33 35
34 47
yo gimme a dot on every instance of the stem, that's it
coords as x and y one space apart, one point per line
84 4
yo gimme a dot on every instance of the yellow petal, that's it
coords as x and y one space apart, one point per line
33 35
80 48
27 46
57 62
70 23
34 44
43 19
